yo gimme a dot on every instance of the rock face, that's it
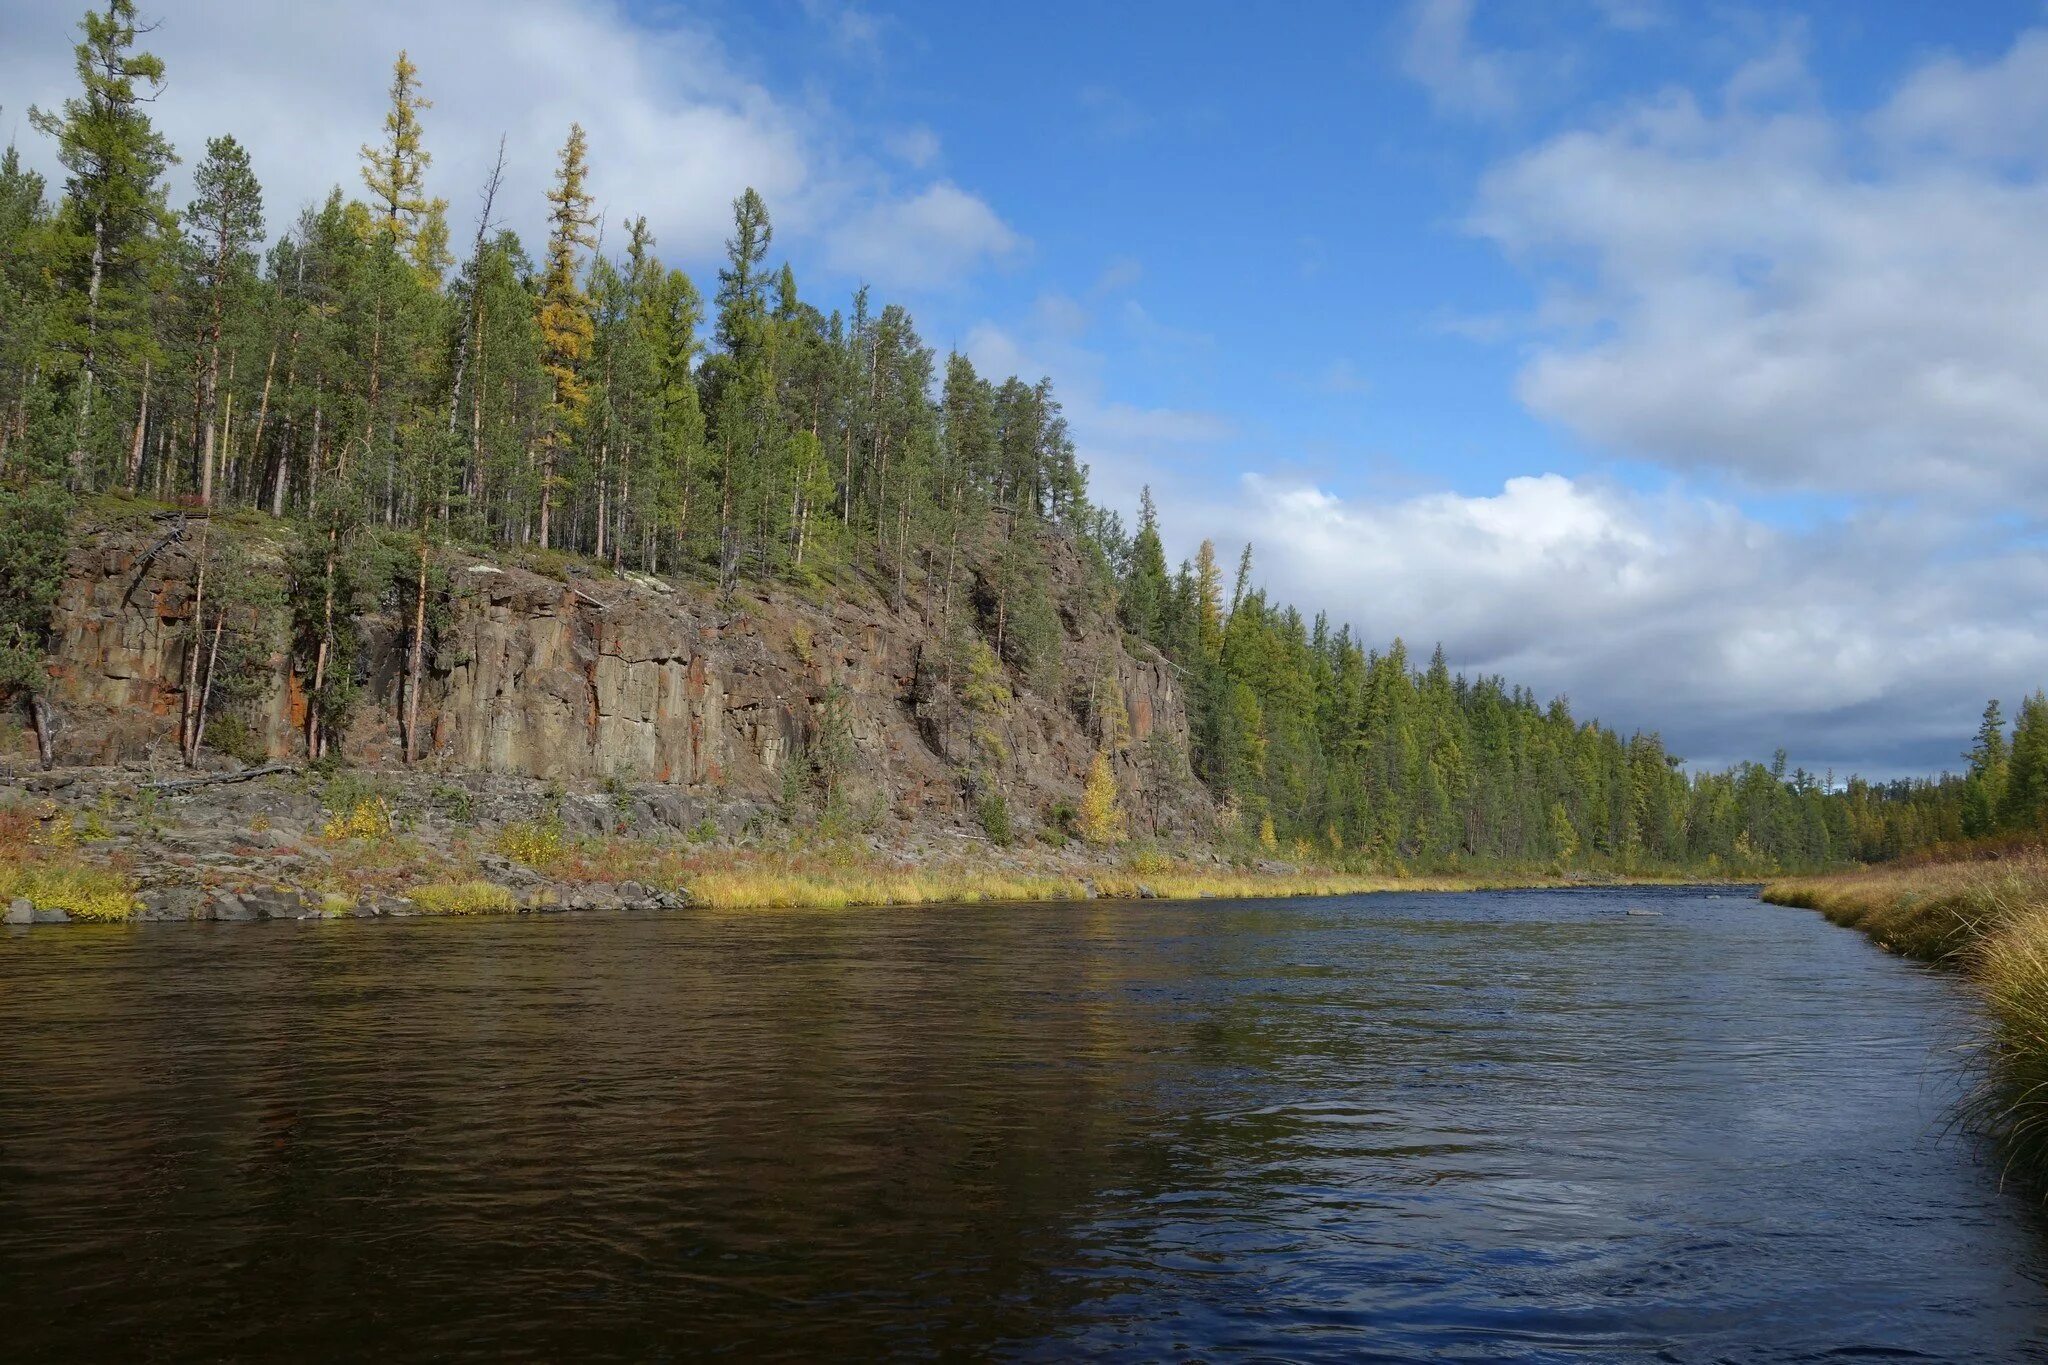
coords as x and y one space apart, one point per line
635 681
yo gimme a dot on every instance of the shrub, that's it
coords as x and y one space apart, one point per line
994 813
85 893
368 818
537 843
1102 820
229 734
453 802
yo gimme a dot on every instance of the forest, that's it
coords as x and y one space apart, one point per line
393 383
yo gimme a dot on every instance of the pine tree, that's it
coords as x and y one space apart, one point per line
114 226
565 322
225 223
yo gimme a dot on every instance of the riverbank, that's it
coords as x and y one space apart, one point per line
1987 917
108 845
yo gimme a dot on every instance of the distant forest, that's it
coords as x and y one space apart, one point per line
383 377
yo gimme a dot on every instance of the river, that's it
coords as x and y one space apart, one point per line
1524 1125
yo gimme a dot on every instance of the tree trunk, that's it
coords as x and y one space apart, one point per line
547 487
191 688
206 689
39 713
413 665
314 739
141 432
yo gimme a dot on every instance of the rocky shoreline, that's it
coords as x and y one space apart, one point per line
278 843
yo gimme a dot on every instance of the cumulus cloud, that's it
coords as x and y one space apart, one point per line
924 241
677 125
1856 644
1752 285
1460 76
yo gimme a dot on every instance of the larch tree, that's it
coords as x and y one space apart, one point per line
394 171
566 327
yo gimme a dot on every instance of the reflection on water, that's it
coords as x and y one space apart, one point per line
1521 1125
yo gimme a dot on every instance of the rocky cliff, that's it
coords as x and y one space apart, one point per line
715 704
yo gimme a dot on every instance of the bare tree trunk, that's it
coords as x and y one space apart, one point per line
604 455
413 666
141 432
206 689
191 688
92 333
315 740
39 713
547 487
227 433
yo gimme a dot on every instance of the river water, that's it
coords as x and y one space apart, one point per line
1517 1126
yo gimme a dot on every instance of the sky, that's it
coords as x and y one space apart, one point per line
1687 359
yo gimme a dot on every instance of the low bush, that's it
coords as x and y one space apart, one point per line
83 893
537 843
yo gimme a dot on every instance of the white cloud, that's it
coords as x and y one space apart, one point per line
1756 287
1461 78
677 126
1841 643
924 241
917 146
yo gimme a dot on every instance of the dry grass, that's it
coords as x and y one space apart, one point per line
772 883
1990 918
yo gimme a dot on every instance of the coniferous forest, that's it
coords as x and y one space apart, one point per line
378 371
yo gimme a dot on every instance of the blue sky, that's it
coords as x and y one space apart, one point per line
1684 358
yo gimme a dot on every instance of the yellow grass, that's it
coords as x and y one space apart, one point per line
828 888
475 897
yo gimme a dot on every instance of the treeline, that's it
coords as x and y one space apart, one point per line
375 380
1325 742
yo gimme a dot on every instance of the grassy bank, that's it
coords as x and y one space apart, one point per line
1987 917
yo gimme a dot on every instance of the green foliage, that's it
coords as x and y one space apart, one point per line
453 802
229 734
34 535
992 811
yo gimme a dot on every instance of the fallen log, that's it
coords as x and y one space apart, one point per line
212 779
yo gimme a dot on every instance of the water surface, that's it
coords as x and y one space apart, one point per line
1505 1126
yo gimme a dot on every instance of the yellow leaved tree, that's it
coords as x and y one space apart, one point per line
1102 820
